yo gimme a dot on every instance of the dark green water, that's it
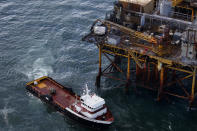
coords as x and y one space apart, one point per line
42 37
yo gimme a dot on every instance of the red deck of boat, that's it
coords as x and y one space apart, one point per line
62 97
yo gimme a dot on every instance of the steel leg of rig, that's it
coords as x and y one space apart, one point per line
160 89
128 74
98 78
193 88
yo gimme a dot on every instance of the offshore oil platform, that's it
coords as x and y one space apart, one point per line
159 36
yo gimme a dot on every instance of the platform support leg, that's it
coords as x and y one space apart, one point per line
156 73
160 89
193 87
145 72
128 74
137 73
149 73
98 78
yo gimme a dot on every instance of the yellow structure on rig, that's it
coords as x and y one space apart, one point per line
182 9
160 36
176 2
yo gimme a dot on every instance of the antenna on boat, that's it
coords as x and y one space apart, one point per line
76 99
87 90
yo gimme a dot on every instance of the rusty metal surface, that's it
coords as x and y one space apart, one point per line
141 44
62 97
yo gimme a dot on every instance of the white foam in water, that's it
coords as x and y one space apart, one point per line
4 112
38 61
40 68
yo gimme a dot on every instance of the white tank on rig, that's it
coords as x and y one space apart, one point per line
99 30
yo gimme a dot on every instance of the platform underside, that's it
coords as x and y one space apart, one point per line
161 68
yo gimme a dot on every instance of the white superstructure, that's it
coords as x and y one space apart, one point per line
93 104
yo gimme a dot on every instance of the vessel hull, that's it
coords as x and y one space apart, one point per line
68 112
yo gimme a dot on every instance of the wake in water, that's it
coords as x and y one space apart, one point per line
38 61
4 112
40 68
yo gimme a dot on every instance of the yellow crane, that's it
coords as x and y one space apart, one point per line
134 33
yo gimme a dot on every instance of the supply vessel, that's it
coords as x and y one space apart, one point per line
88 109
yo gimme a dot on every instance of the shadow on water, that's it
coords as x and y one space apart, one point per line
140 110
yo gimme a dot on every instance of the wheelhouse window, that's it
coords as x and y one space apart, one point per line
87 106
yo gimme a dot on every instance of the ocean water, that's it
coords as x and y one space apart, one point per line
43 37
